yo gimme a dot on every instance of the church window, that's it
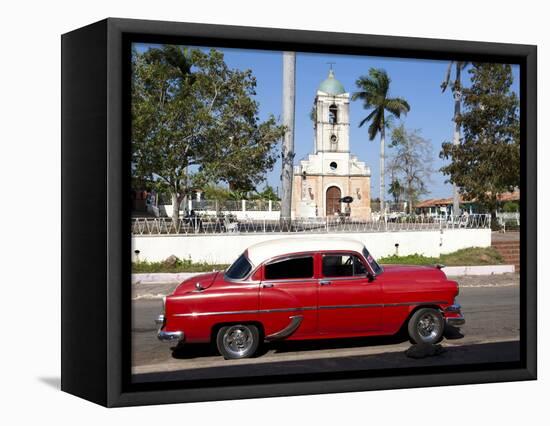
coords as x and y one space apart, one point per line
333 114
333 165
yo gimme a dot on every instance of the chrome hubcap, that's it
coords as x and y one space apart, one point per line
428 327
237 340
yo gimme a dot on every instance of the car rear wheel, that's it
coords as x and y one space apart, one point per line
238 340
426 326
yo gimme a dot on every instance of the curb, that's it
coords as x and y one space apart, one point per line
454 271
162 277
460 271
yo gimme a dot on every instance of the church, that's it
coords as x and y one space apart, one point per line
331 172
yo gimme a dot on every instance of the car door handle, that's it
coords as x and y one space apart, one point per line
267 285
325 282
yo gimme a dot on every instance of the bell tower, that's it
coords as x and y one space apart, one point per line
331 173
331 116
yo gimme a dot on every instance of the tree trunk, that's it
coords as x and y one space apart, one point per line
382 169
175 208
289 93
457 95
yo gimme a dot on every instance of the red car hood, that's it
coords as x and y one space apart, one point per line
189 284
416 270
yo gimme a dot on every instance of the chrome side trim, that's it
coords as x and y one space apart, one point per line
261 311
305 308
435 302
202 314
290 280
369 305
308 308
295 322
350 278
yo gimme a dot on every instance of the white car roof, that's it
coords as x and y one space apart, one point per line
260 252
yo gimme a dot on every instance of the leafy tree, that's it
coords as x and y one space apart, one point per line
268 193
374 92
195 122
216 192
510 207
486 163
410 163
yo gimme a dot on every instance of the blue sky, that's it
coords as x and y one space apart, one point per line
416 80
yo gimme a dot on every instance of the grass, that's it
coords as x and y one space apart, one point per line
464 257
177 266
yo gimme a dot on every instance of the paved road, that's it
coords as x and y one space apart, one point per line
491 334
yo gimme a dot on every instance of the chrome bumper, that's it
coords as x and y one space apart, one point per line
168 336
458 320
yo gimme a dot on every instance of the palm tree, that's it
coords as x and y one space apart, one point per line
374 92
457 96
395 190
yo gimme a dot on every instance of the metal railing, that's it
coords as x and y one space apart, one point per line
230 225
508 220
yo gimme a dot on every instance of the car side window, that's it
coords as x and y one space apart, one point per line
287 269
342 265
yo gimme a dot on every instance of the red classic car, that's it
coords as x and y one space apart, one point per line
308 288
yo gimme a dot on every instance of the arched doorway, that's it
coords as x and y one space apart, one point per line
333 200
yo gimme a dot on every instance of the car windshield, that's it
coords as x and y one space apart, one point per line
239 269
377 269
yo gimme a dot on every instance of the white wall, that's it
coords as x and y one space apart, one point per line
225 248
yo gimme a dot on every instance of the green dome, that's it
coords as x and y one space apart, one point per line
331 85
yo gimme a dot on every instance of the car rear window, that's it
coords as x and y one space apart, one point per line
294 268
239 269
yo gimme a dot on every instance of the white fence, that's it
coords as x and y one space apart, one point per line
509 220
241 209
227 225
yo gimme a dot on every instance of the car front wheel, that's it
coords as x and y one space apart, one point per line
426 326
238 340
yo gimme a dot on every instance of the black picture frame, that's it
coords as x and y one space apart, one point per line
95 183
